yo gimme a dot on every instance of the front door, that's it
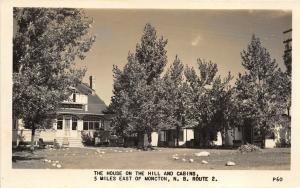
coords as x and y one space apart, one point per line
67 127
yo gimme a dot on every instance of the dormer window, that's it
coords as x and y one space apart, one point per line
71 106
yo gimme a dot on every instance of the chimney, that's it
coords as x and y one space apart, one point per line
92 83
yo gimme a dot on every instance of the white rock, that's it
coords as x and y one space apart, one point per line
130 150
191 160
120 151
230 163
56 161
204 162
102 152
49 161
53 164
184 160
175 157
202 154
58 166
159 150
45 160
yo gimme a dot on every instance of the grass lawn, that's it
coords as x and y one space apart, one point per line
161 158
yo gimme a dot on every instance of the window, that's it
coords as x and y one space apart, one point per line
180 135
74 123
170 135
74 106
97 126
92 123
163 136
85 125
59 123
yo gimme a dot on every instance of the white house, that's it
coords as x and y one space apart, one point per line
83 113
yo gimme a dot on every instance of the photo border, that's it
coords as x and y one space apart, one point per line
84 178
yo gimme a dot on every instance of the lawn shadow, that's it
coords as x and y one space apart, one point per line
25 158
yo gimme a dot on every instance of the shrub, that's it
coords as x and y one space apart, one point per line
249 148
283 143
87 139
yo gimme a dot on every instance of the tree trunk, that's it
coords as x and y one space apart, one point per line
32 137
263 136
177 137
223 135
149 138
140 138
17 130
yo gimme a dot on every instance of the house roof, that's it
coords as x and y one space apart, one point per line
96 105
84 88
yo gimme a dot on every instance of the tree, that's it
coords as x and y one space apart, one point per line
258 89
151 54
175 97
223 101
206 93
287 59
125 101
45 45
138 87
